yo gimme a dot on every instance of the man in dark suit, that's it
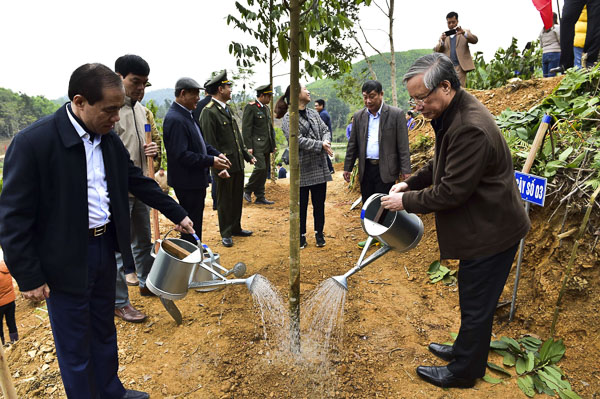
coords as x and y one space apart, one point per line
61 225
212 176
221 131
188 156
259 137
470 186
379 139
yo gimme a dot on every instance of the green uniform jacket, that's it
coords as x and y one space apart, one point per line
221 131
257 128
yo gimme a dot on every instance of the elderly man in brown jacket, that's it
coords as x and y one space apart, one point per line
471 188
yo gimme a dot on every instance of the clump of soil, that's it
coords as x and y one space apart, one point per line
392 311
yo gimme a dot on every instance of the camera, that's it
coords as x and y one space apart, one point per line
450 32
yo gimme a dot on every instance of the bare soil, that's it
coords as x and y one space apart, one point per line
392 311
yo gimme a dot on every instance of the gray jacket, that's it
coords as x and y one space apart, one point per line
312 156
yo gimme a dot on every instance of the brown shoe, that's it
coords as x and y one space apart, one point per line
131 279
145 291
130 314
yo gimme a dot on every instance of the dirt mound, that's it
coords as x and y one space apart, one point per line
392 311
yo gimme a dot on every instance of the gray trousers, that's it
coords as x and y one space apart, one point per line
141 245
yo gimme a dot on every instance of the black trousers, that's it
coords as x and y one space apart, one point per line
480 283
318 193
371 182
8 312
84 328
193 202
571 12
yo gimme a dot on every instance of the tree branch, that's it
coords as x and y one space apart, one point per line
382 10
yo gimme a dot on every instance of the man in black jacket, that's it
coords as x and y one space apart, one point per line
64 213
188 156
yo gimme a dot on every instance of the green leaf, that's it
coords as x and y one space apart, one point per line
558 377
454 336
521 366
508 359
526 385
567 394
530 362
498 345
575 163
491 380
283 45
434 267
552 351
514 345
565 154
497 368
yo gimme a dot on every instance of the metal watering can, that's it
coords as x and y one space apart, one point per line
397 230
180 265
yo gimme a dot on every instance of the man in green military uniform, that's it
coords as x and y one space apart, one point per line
221 131
259 137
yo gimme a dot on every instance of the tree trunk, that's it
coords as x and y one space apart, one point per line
271 50
294 298
392 56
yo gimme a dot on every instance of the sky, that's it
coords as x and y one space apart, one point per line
43 41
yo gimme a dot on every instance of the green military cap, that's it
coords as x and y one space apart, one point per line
219 79
264 89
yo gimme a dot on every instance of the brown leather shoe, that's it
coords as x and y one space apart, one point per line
131 279
145 291
130 314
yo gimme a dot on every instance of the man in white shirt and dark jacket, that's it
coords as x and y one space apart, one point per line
64 213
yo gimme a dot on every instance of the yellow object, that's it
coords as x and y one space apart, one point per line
580 29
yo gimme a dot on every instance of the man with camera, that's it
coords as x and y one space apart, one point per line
454 43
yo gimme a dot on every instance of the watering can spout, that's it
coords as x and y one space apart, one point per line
342 281
220 283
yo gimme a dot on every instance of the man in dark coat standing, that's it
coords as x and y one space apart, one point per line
221 131
188 156
470 186
61 225
379 140
259 137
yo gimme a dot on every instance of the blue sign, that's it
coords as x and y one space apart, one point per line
532 188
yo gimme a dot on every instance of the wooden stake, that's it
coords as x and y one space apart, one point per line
150 162
537 143
8 389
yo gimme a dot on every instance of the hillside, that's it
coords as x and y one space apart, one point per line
342 106
18 110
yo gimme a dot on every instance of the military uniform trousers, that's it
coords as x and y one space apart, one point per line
256 183
230 193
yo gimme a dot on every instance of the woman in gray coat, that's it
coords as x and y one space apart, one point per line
314 146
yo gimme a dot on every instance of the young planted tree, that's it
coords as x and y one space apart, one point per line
316 32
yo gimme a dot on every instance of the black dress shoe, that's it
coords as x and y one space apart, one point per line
263 201
442 351
442 377
227 242
248 197
243 233
133 394
558 69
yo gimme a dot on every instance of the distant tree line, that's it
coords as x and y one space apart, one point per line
18 110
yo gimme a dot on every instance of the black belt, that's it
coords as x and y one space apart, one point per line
373 161
98 231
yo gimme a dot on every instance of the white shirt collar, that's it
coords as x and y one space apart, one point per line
183 107
78 128
378 111
221 103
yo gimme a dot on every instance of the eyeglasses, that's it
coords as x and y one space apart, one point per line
415 102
